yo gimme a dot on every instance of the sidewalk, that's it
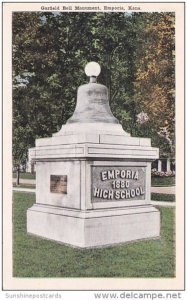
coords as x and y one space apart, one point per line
29 181
154 189
163 189
24 190
155 203
163 203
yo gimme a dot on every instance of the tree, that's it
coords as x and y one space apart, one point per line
22 37
136 52
155 75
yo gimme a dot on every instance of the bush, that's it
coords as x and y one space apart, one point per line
155 173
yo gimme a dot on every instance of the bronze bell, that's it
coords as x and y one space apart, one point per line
92 100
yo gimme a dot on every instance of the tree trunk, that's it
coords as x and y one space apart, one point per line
110 79
32 168
17 175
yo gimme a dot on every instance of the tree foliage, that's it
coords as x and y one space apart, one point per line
136 52
155 75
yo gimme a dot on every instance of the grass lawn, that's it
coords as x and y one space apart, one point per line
25 175
37 257
162 181
162 197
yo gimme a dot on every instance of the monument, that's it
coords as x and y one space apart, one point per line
92 178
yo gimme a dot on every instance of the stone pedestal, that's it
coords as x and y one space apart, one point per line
93 190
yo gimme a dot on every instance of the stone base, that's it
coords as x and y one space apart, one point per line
94 228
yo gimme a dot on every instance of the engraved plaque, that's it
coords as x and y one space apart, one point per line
117 183
58 184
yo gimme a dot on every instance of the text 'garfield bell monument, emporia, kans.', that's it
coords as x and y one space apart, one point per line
92 178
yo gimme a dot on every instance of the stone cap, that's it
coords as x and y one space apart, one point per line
95 138
97 146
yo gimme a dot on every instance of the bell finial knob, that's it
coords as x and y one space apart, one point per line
92 70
